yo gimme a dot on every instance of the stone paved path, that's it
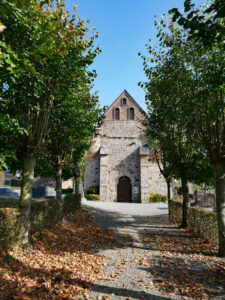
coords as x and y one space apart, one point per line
140 266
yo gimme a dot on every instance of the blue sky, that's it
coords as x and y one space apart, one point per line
124 27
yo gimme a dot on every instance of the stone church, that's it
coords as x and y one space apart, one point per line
119 159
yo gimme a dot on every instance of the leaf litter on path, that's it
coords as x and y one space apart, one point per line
186 265
60 265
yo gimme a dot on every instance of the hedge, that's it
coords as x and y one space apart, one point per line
11 221
93 197
71 203
93 190
157 198
199 220
43 214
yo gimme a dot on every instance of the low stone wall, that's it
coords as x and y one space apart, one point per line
71 203
204 223
43 214
11 222
199 220
175 209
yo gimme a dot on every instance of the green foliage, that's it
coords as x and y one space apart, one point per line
8 257
8 202
67 192
93 197
200 221
185 97
45 59
93 190
71 203
43 214
11 224
157 198
206 24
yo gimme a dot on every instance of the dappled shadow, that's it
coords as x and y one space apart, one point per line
194 277
76 234
59 265
20 281
179 261
123 292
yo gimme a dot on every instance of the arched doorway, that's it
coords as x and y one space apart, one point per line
124 190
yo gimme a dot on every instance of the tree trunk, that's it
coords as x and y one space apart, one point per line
58 187
219 174
185 202
28 162
77 184
168 189
168 182
81 188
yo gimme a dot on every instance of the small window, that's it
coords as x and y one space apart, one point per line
124 101
131 113
117 114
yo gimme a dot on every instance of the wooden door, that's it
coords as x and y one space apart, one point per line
124 190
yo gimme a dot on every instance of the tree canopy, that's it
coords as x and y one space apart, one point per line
185 98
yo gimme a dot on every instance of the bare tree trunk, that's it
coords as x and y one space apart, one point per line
81 188
77 184
58 187
168 189
28 162
185 202
219 174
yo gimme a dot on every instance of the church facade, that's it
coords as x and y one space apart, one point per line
119 160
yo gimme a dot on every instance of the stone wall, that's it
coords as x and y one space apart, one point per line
44 213
122 138
157 183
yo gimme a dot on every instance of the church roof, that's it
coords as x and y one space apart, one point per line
129 96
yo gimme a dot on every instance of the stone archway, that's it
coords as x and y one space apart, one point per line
124 190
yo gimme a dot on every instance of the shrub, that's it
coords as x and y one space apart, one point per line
199 220
93 197
68 191
9 202
71 203
11 226
93 190
157 198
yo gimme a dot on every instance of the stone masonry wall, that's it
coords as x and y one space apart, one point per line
122 138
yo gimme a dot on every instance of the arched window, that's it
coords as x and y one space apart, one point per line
117 114
124 101
131 113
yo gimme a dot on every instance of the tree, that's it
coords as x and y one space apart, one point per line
202 109
71 128
37 47
168 124
208 63
208 117
206 25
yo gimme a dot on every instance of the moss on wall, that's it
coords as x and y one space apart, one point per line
11 222
203 222
71 203
45 213
175 209
199 220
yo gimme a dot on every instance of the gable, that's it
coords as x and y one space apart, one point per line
126 107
